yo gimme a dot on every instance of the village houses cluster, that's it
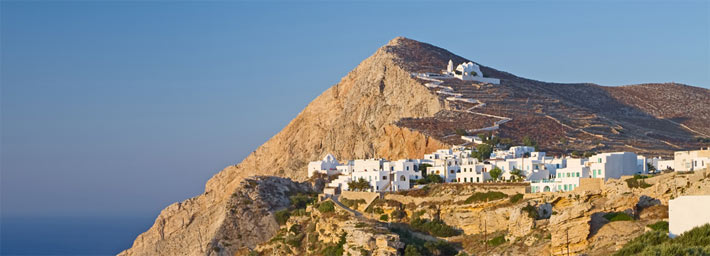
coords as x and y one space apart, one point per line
519 163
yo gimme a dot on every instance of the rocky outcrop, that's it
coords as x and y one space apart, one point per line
244 220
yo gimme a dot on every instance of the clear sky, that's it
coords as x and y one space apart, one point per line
121 108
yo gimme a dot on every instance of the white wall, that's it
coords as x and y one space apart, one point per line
687 212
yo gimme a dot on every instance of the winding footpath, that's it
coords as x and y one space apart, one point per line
453 96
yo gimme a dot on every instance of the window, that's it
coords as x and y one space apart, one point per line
458 179
452 171
402 178
407 168
600 160
477 179
384 177
464 180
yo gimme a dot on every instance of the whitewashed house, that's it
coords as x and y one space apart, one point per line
616 164
326 166
692 160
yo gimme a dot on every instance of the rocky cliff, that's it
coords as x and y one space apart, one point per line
380 109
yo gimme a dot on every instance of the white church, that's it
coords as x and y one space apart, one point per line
469 71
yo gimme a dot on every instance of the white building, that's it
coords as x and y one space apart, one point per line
692 160
660 164
687 212
326 166
469 71
512 152
616 164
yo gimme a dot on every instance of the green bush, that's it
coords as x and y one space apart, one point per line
496 241
411 250
430 178
516 198
440 247
294 240
384 217
353 204
483 197
532 211
300 201
326 206
637 245
282 216
637 182
693 242
378 210
335 249
659 226
618 216
433 227
398 214
416 246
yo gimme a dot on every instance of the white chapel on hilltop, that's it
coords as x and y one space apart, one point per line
469 71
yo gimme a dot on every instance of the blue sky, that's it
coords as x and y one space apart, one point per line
121 108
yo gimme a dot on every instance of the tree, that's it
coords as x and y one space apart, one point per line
359 185
496 173
651 168
423 168
483 152
518 174
527 141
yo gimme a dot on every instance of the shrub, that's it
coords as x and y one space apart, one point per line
353 204
618 216
496 173
411 250
359 185
516 198
487 196
637 182
398 214
294 240
659 226
532 211
326 206
384 217
300 201
335 249
433 227
496 241
430 178
378 210
282 216
440 247
693 242
637 245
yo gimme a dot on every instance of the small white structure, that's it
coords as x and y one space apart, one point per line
660 164
687 212
472 139
469 71
692 160
326 166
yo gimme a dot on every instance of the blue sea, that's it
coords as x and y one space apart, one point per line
70 235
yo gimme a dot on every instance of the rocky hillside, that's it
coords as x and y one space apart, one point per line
487 219
380 109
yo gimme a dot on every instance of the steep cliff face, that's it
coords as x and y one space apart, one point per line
352 119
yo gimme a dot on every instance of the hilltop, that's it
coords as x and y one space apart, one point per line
381 109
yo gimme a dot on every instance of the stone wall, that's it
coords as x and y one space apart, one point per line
590 184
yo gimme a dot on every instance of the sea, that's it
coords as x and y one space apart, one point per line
70 235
